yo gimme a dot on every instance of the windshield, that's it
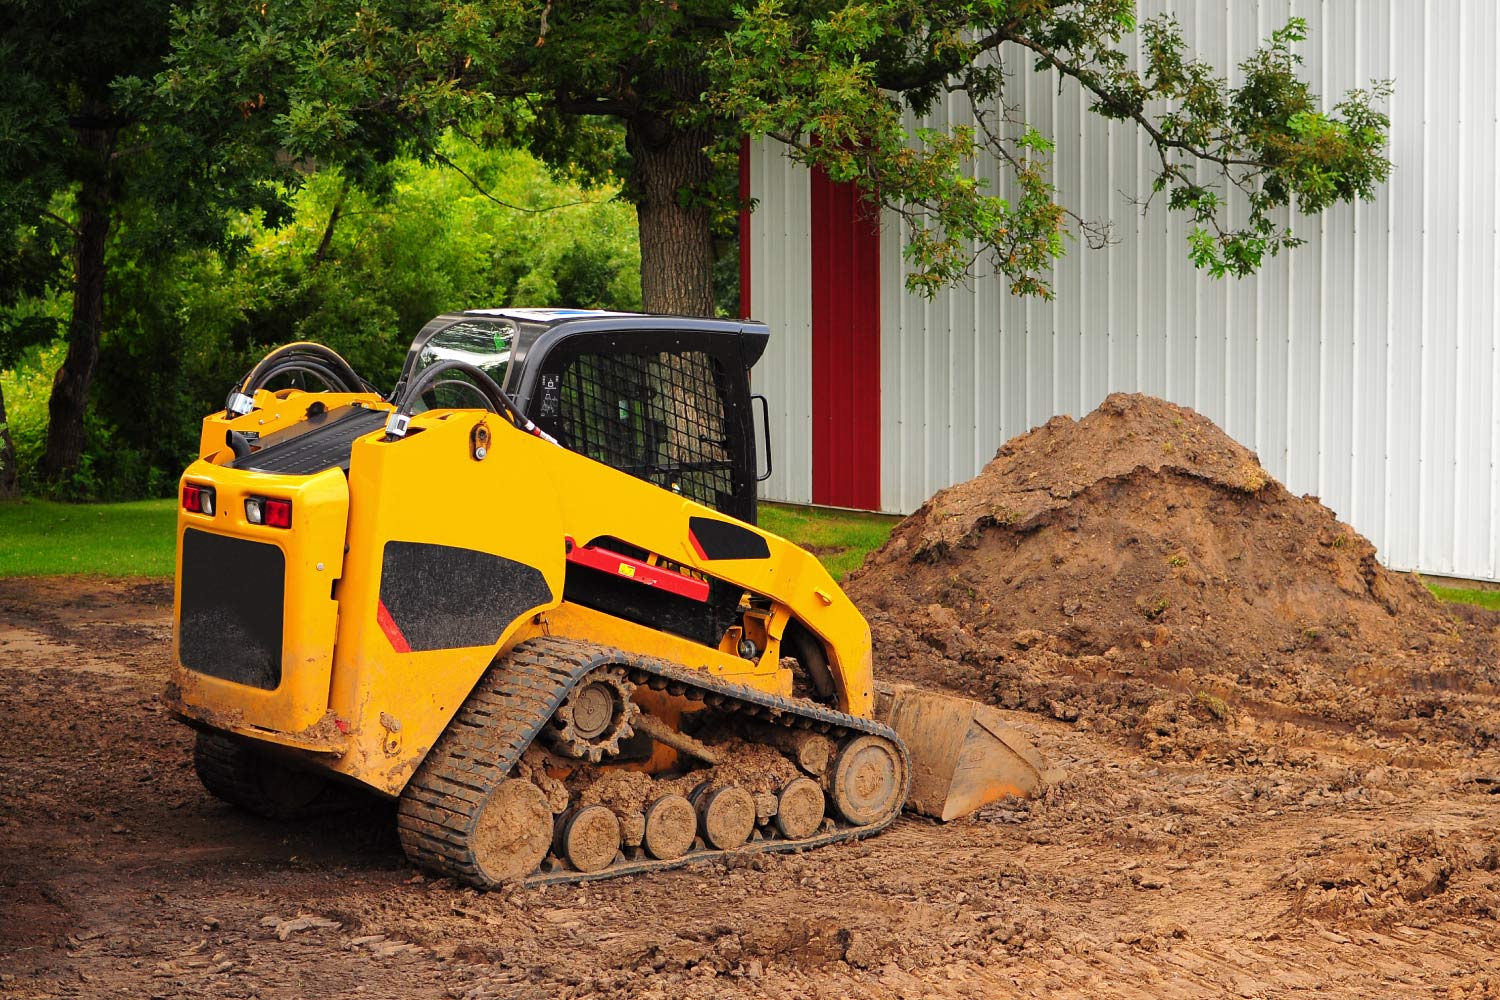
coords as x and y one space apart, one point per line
486 344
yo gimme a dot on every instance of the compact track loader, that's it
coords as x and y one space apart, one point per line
524 594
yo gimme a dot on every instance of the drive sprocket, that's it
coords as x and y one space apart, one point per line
596 716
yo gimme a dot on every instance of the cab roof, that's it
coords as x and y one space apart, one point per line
532 325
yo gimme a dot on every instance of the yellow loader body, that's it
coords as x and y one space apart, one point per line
486 617
365 709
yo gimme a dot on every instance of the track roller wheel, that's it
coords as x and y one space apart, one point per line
865 782
235 772
799 809
671 826
726 816
512 832
589 838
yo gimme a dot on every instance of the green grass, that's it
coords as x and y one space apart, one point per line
42 538
840 538
1460 595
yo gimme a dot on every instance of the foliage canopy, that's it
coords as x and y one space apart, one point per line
361 79
834 87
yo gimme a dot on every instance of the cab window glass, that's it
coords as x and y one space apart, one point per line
485 344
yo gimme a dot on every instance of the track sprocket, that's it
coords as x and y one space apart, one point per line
596 716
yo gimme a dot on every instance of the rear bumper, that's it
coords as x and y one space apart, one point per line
324 739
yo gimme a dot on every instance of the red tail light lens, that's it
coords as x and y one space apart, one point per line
198 499
278 513
271 513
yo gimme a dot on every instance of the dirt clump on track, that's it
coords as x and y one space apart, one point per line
1138 569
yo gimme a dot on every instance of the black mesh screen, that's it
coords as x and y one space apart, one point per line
658 416
233 592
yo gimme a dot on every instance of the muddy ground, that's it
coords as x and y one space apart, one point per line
1276 859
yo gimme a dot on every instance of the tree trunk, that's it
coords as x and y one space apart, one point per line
10 485
669 169
70 389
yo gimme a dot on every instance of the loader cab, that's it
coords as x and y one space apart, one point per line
662 398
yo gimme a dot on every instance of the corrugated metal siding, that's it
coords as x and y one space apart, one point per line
1362 367
781 296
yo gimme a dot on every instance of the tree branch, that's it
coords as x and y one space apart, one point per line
474 183
1162 141
1097 235
333 219
61 222
912 77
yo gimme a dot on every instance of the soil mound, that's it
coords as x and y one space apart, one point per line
1139 568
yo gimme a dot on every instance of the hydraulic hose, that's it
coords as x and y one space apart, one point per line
321 362
497 398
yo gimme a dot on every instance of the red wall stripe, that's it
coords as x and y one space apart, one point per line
845 346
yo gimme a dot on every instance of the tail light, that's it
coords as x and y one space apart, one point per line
198 499
271 512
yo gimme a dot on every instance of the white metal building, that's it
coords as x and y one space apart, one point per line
1362 367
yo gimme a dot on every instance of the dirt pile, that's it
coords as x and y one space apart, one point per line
1138 568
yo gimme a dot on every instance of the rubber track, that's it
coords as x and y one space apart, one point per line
234 772
507 710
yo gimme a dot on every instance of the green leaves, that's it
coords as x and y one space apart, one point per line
360 82
833 82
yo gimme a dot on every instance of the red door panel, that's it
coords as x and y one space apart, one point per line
845 346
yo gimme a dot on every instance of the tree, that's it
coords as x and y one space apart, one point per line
357 272
21 274
82 148
358 84
9 474
826 89
359 80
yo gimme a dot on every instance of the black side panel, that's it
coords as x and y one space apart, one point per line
445 597
232 596
324 447
725 540
699 621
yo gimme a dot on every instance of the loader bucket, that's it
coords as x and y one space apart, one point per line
963 754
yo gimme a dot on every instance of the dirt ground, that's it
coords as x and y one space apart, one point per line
1293 861
1282 778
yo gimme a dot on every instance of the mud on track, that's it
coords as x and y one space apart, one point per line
1292 863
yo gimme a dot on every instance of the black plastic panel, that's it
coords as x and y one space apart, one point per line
445 597
700 621
232 596
726 540
312 450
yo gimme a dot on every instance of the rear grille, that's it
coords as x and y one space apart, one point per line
314 445
232 602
